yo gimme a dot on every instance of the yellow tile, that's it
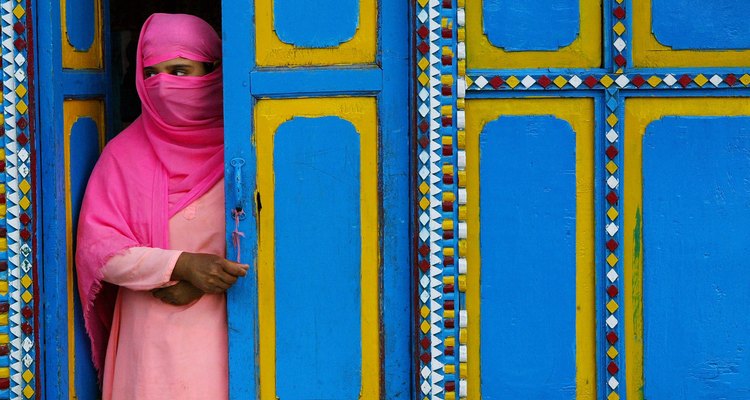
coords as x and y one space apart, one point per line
450 395
4 372
462 213
461 139
24 186
449 369
463 370
450 341
654 81
619 28
447 140
448 251
700 80
28 392
560 81
613 396
24 203
606 81
446 111
423 64
19 11
462 179
424 311
424 188
22 107
21 90
446 80
449 196
468 81
612 352
612 259
26 281
512 82
612 213
423 79
425 327
462 335
28 376
461 67
461 35
423 2
611 167
612 306
4 319
447 224
462 283
449 280
448 169
462 248
424 203
461 103
745 79
449 314
3 287
4 339
26 296
612 119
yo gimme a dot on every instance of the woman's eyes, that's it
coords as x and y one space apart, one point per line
179 72
176 72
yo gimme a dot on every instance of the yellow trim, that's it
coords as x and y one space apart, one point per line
584 52
73 110
272 52
649 53
91 58
580 114
639 113
361 112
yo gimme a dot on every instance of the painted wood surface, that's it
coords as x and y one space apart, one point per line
73 115
700 25
522 195
318 250
315 24
532 25
365 85
695 290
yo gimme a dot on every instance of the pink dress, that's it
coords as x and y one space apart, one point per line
157 350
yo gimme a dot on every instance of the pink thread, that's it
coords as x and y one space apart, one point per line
237 234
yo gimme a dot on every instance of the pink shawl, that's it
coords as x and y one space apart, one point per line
151 170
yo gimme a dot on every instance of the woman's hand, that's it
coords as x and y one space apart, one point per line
208 272
181 294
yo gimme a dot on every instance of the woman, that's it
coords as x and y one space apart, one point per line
150 255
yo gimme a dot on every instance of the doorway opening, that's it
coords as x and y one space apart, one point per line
126 18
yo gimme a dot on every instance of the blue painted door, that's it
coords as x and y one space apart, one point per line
317 168
73 117
593 182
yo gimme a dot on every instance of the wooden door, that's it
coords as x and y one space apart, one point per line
73 114
590 189
317 164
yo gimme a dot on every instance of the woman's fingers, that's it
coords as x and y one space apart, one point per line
235 269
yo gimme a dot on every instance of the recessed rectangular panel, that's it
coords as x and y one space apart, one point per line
318 259
505 34
685 206
689 33
315 24
83 141
531 25
82 28
528 247
700 24
315 33
696 210
318 250
530 258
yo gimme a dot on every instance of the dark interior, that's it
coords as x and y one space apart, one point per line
126 18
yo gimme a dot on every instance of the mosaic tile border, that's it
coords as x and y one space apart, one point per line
19 299
634 80
429 252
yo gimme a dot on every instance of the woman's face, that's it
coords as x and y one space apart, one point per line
177 67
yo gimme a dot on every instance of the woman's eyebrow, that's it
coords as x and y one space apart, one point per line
187 66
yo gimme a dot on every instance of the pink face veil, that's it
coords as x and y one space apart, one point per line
169 157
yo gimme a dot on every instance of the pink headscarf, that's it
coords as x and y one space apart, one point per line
171 155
